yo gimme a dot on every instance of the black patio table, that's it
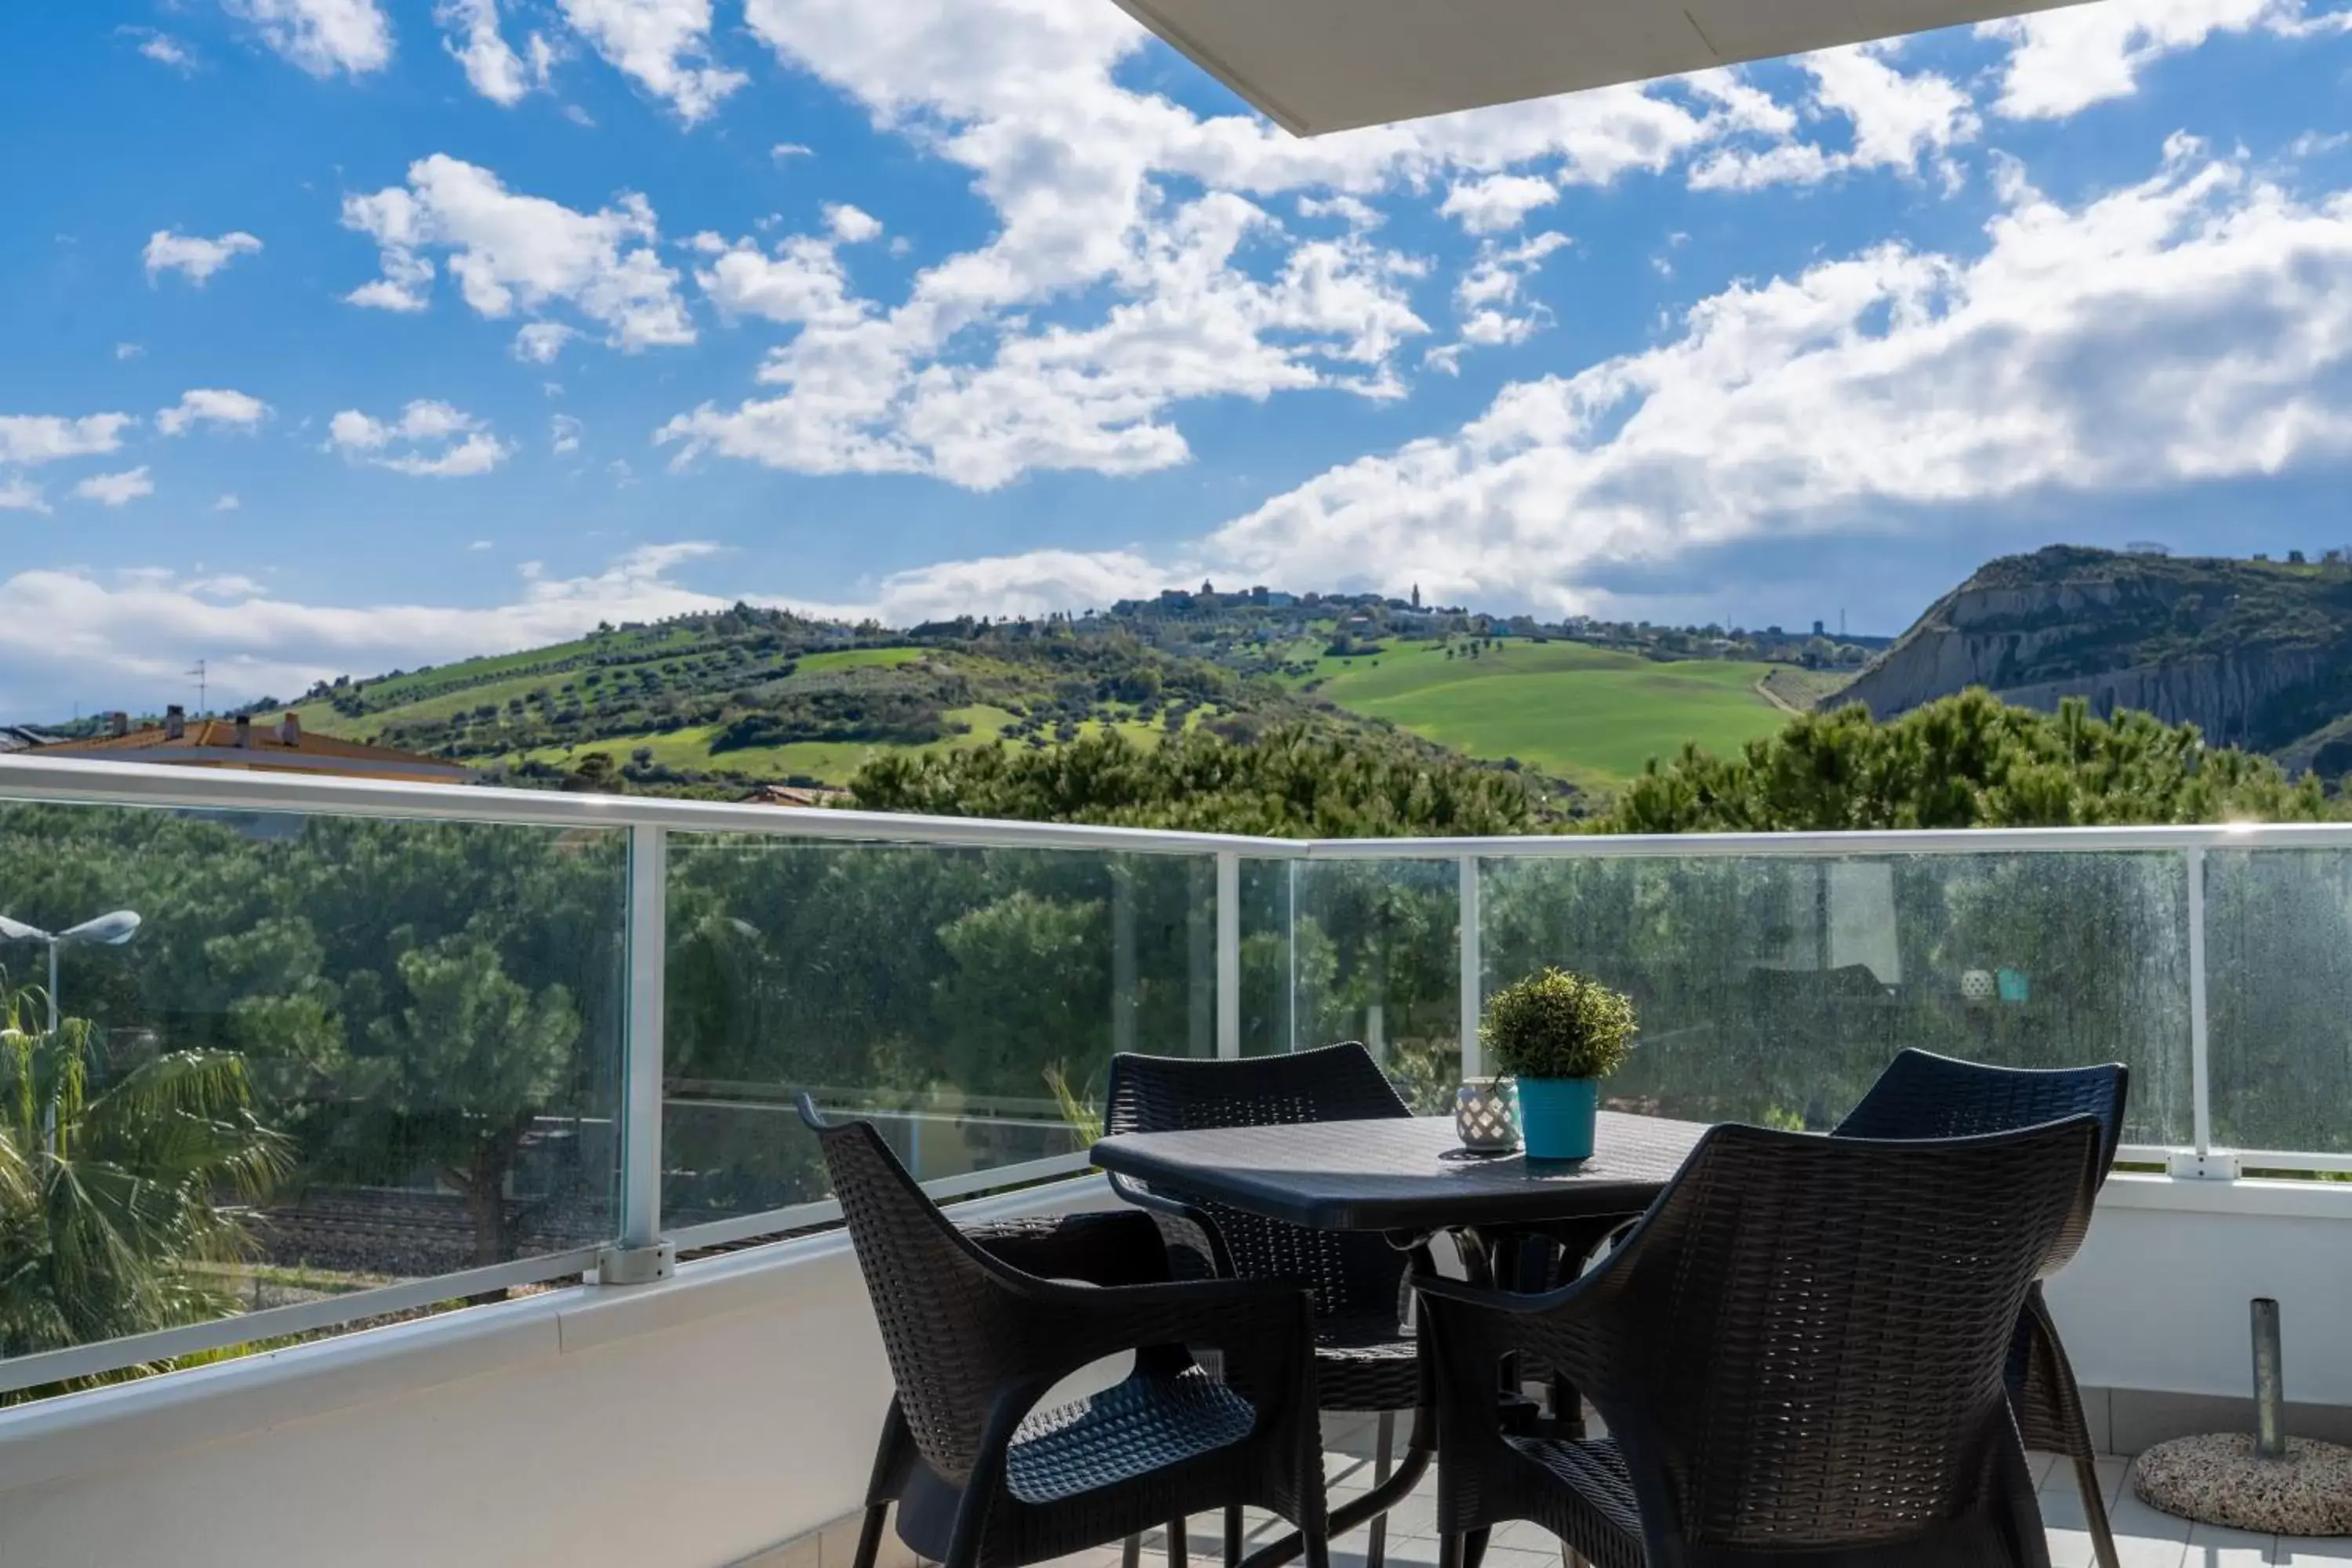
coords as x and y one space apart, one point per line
1410 1179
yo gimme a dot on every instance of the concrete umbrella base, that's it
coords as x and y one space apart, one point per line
2219 1479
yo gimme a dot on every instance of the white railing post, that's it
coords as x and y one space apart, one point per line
1290 959
639 1255
1474 1059
1229 954
2200 1086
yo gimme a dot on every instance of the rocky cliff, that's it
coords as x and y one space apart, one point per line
2255 653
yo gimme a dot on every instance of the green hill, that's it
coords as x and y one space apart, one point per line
708 703
1591 715
2255 653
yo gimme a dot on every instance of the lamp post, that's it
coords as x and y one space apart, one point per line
106 931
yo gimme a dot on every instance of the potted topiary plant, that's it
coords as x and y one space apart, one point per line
1559 1034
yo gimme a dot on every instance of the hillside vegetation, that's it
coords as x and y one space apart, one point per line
709 703
2256 653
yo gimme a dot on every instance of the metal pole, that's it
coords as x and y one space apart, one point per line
1474 1059
2269 1383
2199 1076
1229 954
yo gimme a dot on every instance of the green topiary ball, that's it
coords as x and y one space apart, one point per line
1555 1025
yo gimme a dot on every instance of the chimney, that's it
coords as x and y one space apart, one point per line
243 732
289 729
175 722
118 723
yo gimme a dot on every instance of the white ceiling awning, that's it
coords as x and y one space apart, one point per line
1316 66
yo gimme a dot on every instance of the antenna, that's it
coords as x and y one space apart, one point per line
199 673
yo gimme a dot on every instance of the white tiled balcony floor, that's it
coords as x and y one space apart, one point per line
2143 1537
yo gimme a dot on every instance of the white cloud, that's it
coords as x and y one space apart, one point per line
1036 583
322 37
664 43
1354 211
430 439
496 70
2061 62
563 434
801 282
163 49
128 350
1901 122
30 438
115 489
137 629
783 151
849 225
1498 202
227 502
195 256
540 342
20 494
2194 327
1091 398
511 252
212 406
1110 207
1487 300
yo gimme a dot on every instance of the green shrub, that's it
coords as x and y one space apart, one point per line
1555 1025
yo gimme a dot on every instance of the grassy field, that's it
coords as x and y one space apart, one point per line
1591 715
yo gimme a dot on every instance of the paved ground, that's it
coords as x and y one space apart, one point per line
2143 1537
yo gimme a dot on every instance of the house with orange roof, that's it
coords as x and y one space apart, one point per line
282 747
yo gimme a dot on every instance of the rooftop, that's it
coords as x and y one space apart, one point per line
283 746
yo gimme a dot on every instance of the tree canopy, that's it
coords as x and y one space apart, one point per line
1969 761
1289 784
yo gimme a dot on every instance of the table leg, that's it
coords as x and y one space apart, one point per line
1421 1447
1371 1505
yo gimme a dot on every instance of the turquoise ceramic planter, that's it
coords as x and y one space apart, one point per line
1557 1117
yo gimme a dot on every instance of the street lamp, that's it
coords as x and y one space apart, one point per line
106 931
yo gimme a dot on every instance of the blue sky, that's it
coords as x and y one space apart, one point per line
347 334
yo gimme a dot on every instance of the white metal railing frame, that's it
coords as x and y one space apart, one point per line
641 1250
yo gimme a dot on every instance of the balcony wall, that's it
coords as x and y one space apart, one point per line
703 1420
730 1413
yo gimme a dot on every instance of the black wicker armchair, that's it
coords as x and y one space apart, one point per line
978 1327
1364 1360
1921 1094
1798 1352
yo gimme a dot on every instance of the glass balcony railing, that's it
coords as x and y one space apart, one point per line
375 1047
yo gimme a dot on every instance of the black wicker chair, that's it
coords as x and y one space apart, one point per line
1921 1094
1799 1352
1363 1358
980 1326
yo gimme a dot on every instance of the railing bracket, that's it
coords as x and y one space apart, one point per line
2215 1165
634 1265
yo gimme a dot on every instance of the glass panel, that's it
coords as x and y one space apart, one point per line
1269 897
334 1054
940 992
1775 990
1378 959
2278 964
